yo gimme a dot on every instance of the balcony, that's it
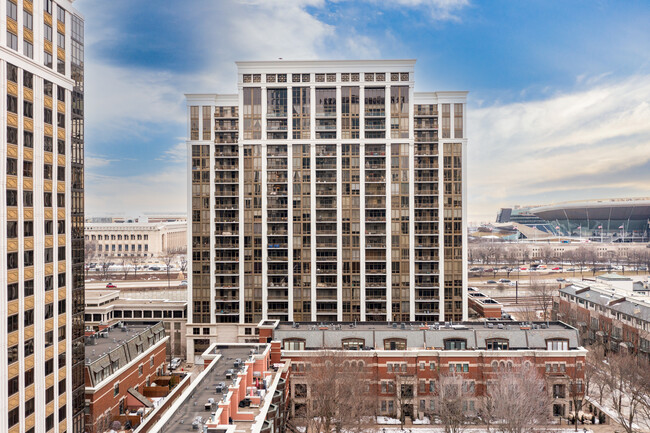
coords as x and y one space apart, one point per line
375 177
426 150
426 136
325 202
325 164
279 190
277 177
226 125
276 164
226 137
226 151
274 151
375 202
426 123
277 216
426 202
376 256
222 177
426 215
375 229
326 229
277 203
226 191
278 256
426 110
375 164
325 177
425 176
326 125
375 243
226 112
376 189
325 216
325 190
426 242
426 163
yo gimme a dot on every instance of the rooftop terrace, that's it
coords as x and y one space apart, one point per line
214 400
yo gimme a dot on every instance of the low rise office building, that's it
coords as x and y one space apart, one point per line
106 308
145 239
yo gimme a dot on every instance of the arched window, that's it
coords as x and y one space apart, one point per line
455 344
495 365
293 344
395 344
353 343
497 344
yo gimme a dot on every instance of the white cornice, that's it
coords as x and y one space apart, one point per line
288 66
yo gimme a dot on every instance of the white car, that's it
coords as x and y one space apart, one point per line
176 362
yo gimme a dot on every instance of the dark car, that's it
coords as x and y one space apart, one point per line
491 282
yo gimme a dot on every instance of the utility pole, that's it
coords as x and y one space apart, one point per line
517 292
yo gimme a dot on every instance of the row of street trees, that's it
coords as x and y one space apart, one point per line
338 398
514 255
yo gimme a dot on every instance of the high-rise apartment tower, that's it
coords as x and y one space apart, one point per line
325 191
41 217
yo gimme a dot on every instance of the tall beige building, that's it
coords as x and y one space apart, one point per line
325 191
41 215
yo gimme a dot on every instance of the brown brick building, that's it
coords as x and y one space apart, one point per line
607 315
122 364
406 360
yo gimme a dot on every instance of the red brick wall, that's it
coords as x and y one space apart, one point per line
480 369
103 400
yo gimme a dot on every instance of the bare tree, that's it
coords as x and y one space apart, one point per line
182 262
580 255
338 397
595 383
546 254
516 401
125 267
104 267
449 398
135 261
627 380
543 296
593 259
90 251
168 258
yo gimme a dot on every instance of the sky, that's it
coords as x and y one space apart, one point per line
558 109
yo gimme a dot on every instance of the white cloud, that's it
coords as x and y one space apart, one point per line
164 191
175 154
440 10
569 146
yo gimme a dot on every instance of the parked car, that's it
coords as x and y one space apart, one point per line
174 364
491 282
560 279
111 286
184 283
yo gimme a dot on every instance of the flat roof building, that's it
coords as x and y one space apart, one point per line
144 239
105 308
325 190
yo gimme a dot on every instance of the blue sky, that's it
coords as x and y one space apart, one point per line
559 103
